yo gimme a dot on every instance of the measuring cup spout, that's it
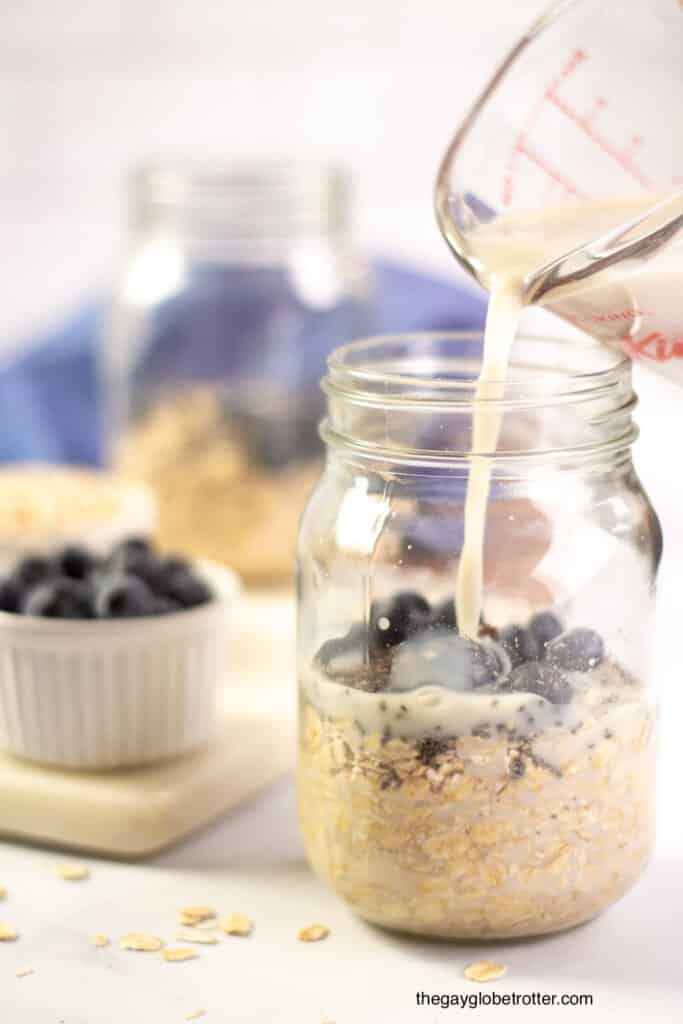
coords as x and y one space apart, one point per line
623 249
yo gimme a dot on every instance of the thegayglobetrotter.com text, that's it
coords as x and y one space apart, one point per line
475 1000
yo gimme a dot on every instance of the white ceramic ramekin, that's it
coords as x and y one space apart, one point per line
105 694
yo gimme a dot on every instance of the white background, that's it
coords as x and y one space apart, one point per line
88 87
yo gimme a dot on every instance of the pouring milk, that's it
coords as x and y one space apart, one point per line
632 301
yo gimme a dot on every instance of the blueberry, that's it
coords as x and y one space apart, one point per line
539 678
61 598
10 596
392 621
444 614
443 658
187 589
133 546
160 574
519 644
74 562
345 655
124 597
544 627
579 650
133 555
32 570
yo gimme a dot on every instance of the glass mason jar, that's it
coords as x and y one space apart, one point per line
239 282
503 785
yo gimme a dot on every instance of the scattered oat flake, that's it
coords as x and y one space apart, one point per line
313 933
72 872
484 970
3 892
198 936
179 953
195 915
195 1015
100 940
141 943
7 934
24 972
236 924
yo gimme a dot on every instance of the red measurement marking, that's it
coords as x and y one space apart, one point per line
584 124
608 318
576 58
655 347
524 149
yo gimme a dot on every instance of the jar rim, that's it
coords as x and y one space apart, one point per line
442 367
253 196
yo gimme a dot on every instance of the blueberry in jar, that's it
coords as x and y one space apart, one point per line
444 614
579 650
545 627
540 678
345 655
393 621
519 644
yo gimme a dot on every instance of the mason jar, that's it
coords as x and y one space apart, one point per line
238 283
502 784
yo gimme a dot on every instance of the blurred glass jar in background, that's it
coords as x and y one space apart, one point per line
239 281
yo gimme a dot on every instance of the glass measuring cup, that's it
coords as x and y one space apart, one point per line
568 169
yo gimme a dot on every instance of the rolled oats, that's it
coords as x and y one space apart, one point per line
313 933
185 450
236 924
460 851
484 970
179 953
140 942
7 933
100 940
72 872
189 916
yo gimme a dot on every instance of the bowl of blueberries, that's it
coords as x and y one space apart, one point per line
111 660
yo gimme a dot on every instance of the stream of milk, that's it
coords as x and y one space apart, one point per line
507 250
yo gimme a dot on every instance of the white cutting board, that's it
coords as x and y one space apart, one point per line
136 812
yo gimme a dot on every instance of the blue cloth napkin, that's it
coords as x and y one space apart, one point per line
49 396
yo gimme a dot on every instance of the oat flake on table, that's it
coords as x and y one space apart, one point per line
7 933
140 942
190 916
72 872
484 970
236 924
179 953
313 933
